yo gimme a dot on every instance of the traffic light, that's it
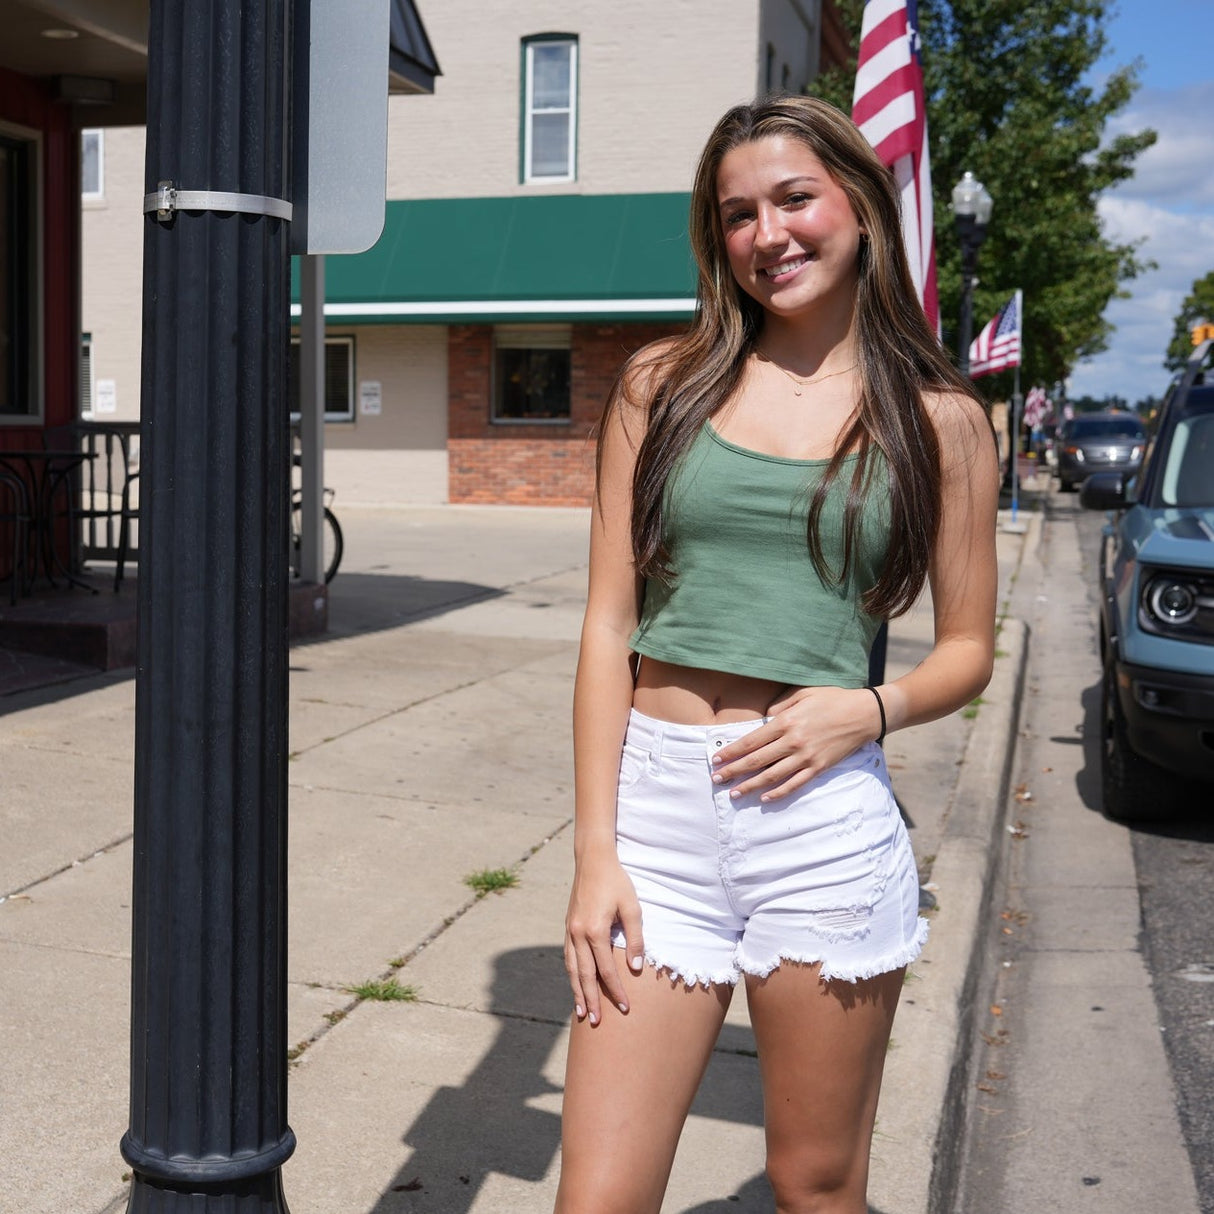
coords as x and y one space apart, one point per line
1203 332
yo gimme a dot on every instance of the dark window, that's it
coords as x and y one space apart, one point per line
1106 427
531 374
339 379
17 303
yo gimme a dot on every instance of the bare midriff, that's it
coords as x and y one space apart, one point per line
687 695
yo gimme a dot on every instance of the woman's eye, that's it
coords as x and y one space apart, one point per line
735 218
797 200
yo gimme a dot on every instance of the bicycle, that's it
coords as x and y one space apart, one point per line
331 537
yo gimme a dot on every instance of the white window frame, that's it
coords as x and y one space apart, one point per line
530 111
347 340
97 195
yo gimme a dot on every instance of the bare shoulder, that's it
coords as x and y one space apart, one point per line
643 369
962 424
634 394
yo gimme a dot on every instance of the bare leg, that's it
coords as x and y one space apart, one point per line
821 1052
629 1083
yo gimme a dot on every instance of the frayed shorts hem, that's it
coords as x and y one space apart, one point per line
743 965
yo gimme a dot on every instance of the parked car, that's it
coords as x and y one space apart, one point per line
1099 442
1157 610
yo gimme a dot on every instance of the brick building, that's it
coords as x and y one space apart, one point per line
536 234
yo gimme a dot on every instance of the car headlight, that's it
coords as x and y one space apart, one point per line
1075 453
1178 603
1136 454
1170 601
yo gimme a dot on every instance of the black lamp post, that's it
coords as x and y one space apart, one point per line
972 207
208 1129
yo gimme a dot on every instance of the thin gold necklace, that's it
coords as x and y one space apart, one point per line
798 384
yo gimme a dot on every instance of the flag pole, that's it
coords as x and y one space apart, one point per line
1016 402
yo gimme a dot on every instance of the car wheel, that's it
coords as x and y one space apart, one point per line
1065 485
1134 789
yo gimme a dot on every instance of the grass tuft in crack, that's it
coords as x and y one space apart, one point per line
384 990
491 881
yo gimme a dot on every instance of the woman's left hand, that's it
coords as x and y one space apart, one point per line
809 730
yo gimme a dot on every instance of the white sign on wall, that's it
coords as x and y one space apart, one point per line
370 397
105 396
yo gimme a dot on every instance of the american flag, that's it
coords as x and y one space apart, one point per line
1037 407
998 345
888 107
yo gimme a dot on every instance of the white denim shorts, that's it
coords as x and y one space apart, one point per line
736 886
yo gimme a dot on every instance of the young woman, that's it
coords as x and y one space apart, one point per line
771 486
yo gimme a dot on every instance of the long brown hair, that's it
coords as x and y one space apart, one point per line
898 358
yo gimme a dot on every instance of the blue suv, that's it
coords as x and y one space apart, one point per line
1157 608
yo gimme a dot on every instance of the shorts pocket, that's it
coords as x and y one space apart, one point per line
634 763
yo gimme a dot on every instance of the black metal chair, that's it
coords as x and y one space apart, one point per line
16 513
97 491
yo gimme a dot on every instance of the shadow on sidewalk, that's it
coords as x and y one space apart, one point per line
491 1123
373 602
358 603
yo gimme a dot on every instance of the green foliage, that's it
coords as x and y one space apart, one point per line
1198 306
1008 99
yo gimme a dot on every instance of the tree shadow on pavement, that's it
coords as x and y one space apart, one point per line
504 1118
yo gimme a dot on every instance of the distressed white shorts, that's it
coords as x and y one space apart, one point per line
730 887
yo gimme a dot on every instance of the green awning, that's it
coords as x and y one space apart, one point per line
559 257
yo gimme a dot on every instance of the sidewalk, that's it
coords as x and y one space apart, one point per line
430 740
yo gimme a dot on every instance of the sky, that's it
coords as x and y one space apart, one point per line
1170 199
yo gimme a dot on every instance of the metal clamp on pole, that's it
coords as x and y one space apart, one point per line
168 199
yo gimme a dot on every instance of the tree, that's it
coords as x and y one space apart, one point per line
1198 306
1008 99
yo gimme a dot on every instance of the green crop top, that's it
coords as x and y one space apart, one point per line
746 598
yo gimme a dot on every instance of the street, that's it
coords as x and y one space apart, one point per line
1091 1080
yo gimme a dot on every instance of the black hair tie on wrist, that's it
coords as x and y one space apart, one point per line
880 709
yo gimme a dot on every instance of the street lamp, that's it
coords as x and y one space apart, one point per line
972 207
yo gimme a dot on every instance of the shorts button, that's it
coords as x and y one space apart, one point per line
718 743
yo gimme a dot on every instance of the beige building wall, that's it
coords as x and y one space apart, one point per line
398 455
111 301
653 78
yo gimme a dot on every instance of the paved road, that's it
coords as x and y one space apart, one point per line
1175 867
1073 1105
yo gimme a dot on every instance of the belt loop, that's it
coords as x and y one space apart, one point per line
656 753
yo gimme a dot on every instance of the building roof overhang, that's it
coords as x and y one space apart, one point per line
96 54
527 258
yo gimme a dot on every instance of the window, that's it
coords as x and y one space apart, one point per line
18 275
92 165
549 108
339 379
86 376
531 373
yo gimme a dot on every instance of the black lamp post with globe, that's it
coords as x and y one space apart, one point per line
972 209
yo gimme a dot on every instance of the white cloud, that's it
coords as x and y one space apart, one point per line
1170 203
1180 165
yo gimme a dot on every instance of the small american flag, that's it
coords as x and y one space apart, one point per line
889 109
998 345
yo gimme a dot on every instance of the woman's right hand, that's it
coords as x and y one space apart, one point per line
602 895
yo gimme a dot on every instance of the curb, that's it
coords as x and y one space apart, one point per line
917 1147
